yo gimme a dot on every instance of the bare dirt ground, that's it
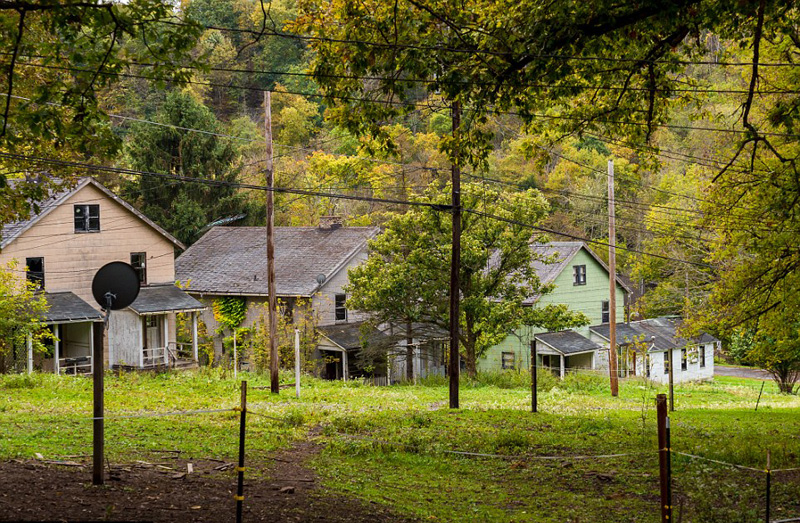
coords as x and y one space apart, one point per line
281 490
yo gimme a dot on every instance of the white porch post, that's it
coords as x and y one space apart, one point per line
57 349
594 362
142 334
29 339
562 366
166 339
345 374
91 345
194 336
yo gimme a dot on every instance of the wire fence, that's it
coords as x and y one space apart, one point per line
732 491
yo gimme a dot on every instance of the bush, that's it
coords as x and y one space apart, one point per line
585 382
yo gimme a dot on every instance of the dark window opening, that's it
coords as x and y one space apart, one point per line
34 271
508 360
340 309
684 360
666 362
702 356
605 312
579 274
139 265
87 218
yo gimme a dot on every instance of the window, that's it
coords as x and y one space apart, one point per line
684 360
702 356
606 312
138 264
579 274
508 360
34 271
340 309
666 362
87 218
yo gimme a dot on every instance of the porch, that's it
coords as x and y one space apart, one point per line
565 351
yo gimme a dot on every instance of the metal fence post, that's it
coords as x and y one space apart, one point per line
240 469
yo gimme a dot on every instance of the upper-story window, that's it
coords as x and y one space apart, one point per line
579 274
87 218
34 271
340 309
605 312
139 265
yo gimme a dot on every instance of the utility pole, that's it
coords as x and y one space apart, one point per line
455 260
273 300
612 285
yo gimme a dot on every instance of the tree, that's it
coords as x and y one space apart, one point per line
185 208
21 314
58 60
405 279
774 345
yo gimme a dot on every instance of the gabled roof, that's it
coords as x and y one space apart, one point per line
164 298
660 332
66 307
561 253
12 231
568 342
233 260
348 335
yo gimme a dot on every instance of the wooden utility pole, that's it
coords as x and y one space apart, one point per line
98 432
612 285
273 300
455 261
664 466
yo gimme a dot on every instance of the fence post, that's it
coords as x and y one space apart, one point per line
534 377
769 480
664 464
239 497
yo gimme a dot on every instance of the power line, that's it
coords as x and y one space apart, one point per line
216 183
294 36
409 104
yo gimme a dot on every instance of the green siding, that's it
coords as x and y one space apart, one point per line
584 298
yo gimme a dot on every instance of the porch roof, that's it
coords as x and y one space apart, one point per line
348 335
164 298
568 342
66 307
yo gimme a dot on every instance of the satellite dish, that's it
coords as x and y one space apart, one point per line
321 278
115 285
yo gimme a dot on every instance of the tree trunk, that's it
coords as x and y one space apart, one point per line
470 360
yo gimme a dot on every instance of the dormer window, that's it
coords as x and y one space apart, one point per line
579 274
87 218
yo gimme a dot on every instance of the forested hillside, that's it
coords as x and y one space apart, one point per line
695 103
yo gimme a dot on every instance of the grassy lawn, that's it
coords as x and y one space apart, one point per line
395 445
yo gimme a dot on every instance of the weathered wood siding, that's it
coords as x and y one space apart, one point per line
125 339
71 259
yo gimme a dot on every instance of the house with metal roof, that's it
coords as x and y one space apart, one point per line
580 280
311 266
62 245
646 346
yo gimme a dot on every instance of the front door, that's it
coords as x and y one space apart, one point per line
152 339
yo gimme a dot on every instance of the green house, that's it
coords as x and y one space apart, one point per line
581 282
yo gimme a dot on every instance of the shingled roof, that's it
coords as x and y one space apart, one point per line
11 231
661 332
349 336
233 260
66 307
568 342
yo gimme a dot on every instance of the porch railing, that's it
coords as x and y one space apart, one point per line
77 365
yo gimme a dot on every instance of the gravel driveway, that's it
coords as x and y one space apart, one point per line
742 372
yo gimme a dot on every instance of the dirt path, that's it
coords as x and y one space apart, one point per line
281 490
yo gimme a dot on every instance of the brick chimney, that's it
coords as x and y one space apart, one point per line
330 223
